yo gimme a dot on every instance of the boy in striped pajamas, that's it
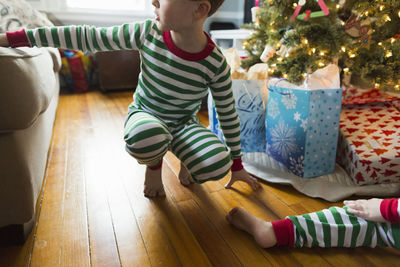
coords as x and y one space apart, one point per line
179 64
371 223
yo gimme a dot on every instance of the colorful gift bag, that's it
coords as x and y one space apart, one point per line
77 70
302 122
369 139
250 99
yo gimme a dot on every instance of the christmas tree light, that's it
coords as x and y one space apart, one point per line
362 36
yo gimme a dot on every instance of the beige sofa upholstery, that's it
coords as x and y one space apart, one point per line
29 89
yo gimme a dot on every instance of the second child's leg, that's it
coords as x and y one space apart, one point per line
262 231
333 227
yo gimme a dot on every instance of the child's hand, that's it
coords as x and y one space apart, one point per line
3 40
244 176
366 209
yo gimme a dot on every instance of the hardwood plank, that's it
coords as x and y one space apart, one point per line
157 243
47 245
103 246
131 246
182 239
169 241
75 243
208 237
218 205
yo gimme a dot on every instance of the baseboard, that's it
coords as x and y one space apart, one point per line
16 234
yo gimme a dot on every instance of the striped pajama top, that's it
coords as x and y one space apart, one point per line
172 82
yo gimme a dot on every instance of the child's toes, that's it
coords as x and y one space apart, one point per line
154 192
185 180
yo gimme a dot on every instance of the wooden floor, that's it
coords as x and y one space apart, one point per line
92 211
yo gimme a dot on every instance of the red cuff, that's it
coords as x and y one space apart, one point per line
18 38
156 167
237 165
390 210
284 232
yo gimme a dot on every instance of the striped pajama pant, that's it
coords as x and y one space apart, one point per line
148 138
335 227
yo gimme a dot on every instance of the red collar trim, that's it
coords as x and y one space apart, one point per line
187 55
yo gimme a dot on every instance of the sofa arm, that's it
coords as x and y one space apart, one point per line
27 82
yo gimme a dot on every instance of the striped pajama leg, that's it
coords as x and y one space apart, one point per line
204 155
334 227
147 138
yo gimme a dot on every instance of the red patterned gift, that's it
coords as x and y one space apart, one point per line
369 139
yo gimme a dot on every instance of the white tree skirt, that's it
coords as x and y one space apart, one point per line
332 187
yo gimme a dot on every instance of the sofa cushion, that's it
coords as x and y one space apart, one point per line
17 14
27 82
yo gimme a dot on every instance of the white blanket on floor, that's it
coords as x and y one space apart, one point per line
333 187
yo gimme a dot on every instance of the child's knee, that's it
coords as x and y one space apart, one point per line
213 169
147 143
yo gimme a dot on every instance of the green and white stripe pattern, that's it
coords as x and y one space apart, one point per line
335 227
169 87
205 156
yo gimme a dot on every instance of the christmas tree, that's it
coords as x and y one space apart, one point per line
296 37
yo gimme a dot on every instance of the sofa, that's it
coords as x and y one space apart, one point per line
118 70
29 90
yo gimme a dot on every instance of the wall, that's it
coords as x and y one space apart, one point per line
230 11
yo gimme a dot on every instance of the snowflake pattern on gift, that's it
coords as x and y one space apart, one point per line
289 100
283 140
297 165
304 124
297 116
273 108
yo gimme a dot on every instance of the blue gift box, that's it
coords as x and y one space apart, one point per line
250 102
302 128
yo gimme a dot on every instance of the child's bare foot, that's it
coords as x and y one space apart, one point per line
184 176
153 185
262 231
